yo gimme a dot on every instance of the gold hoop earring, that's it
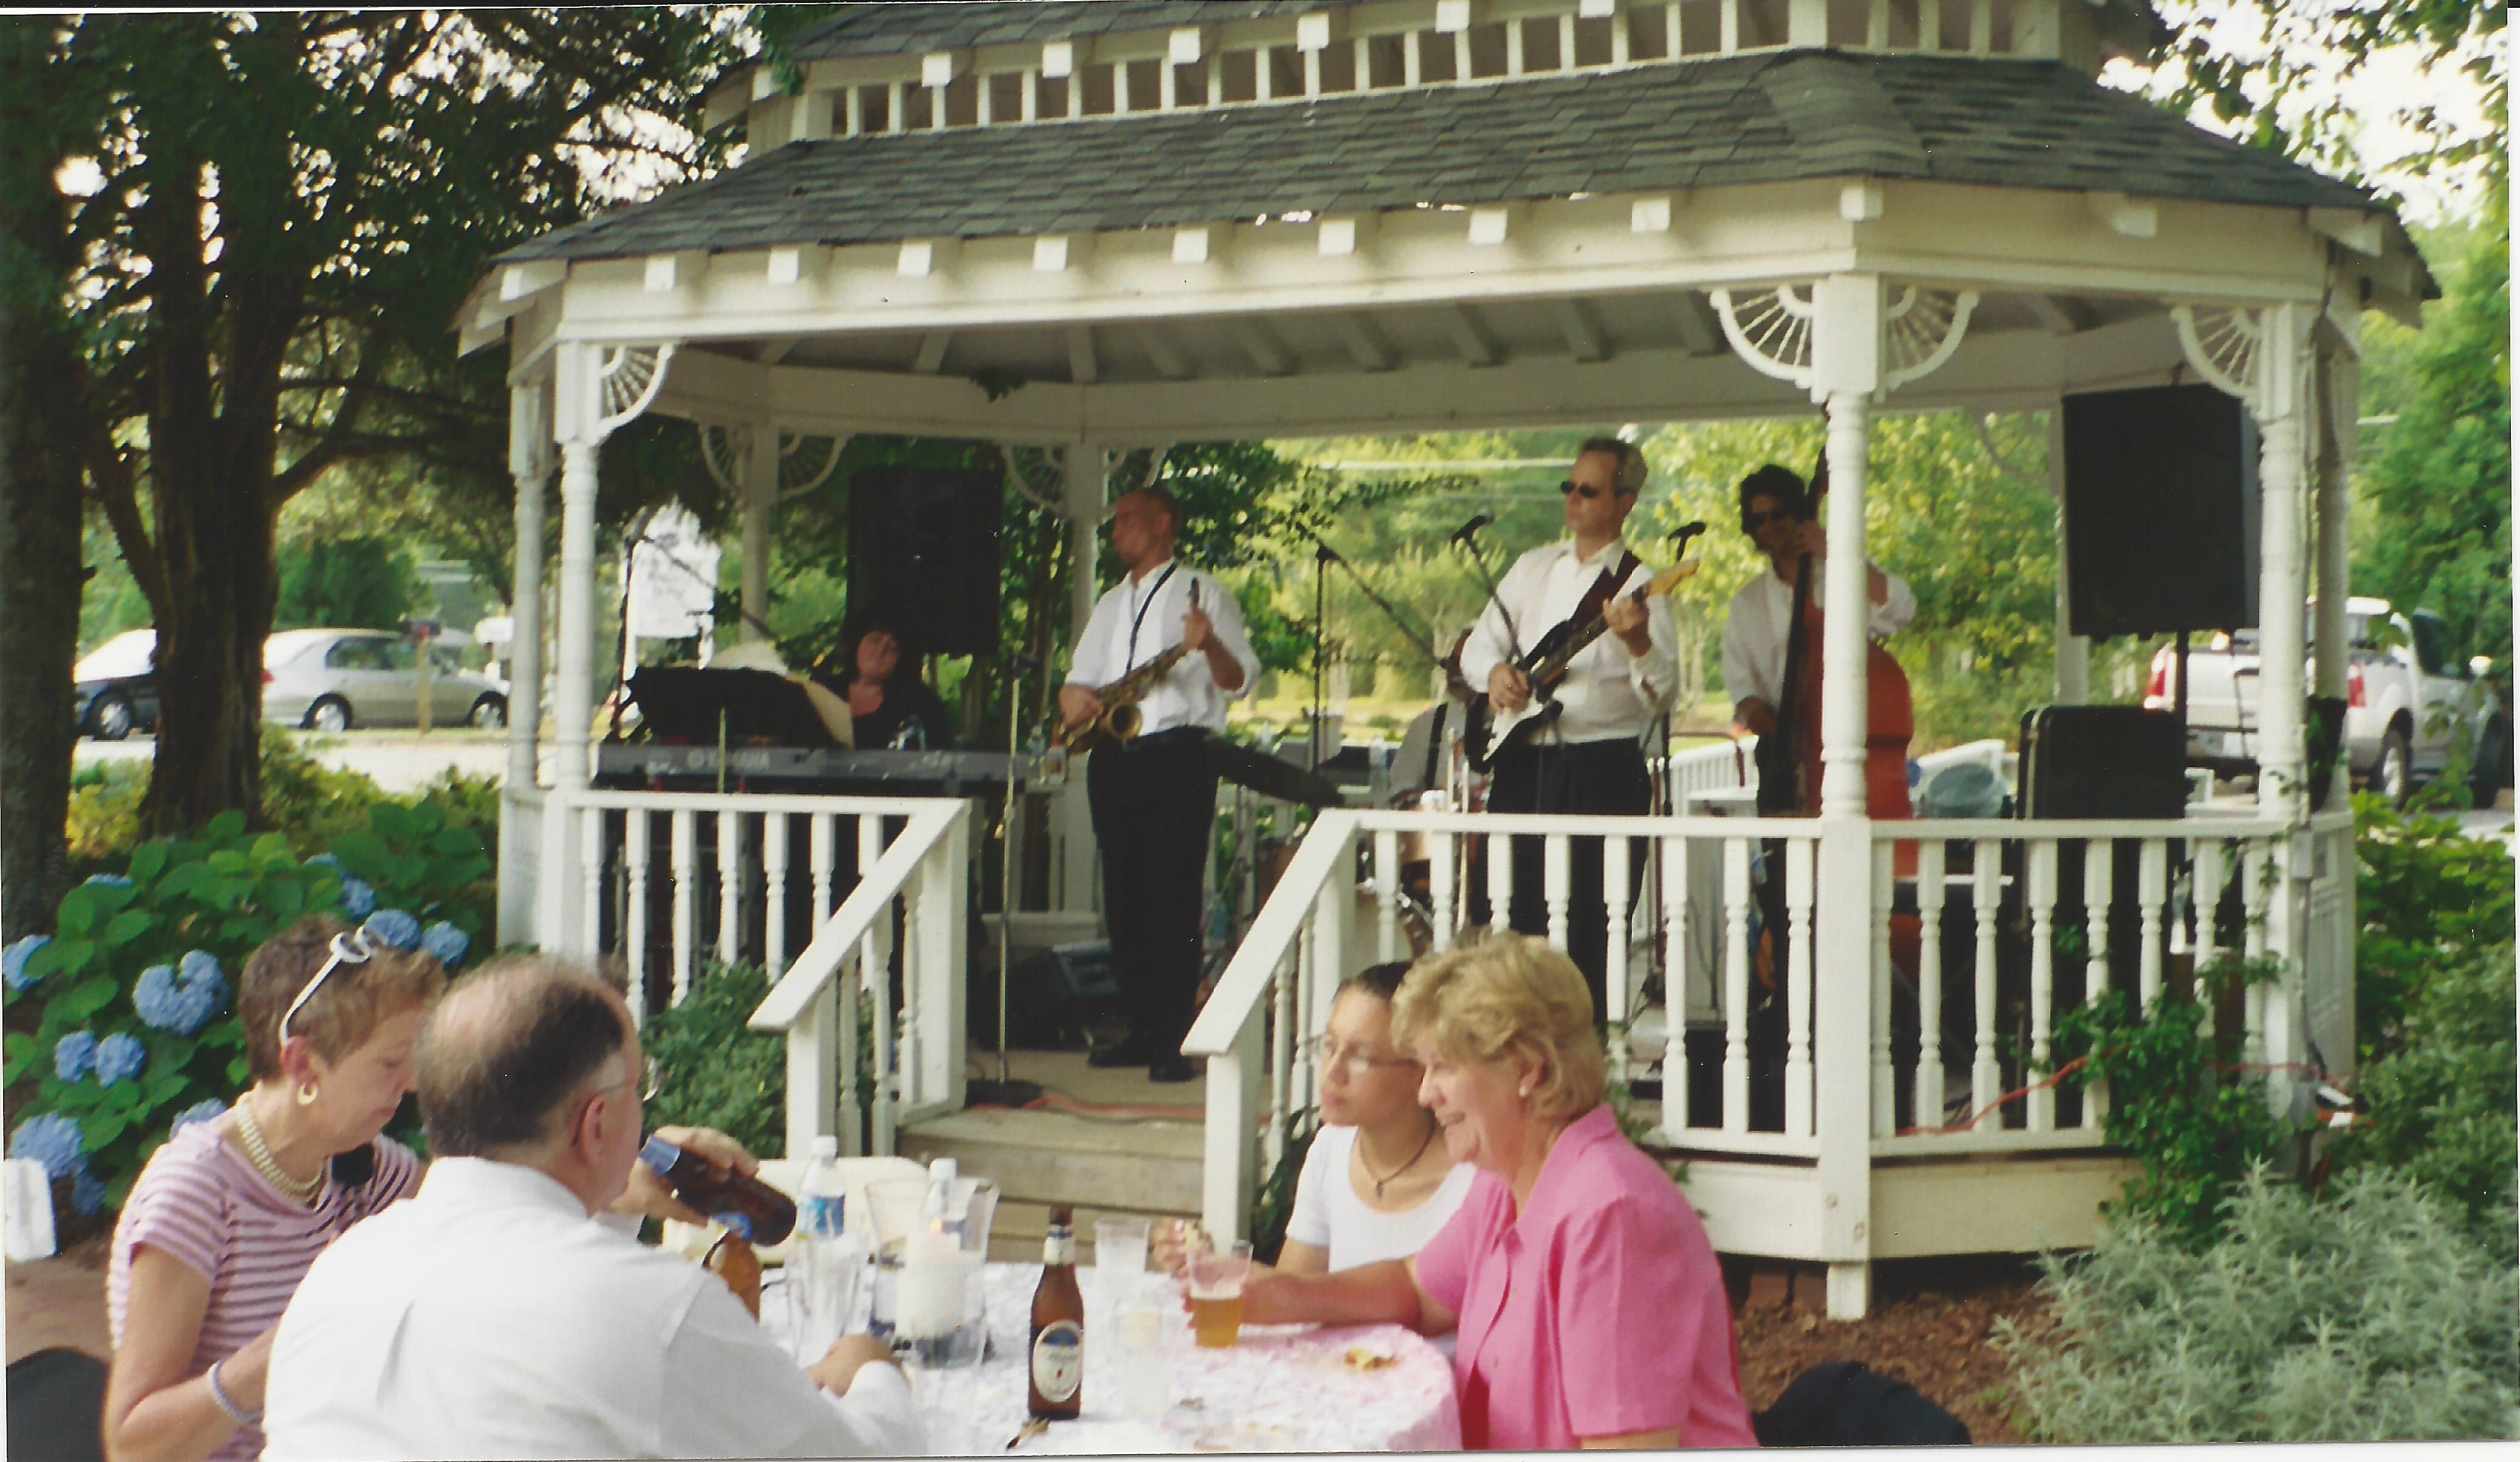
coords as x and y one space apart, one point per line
306 1094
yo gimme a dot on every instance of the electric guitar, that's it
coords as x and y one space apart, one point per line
1544 666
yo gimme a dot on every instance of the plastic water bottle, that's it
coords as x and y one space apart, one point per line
833 1259
941 1213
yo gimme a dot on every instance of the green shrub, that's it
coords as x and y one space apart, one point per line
124 1018
2197 1127
2372 1316
2441 1107
710 1069
2424 895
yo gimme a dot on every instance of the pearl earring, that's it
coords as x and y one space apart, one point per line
1523 1092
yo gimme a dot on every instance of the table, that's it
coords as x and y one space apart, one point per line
1283 1389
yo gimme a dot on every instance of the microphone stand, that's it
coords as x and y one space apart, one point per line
1416 641
1005 1091
1322 555
1495 596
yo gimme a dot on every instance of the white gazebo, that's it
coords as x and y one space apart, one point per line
1168 222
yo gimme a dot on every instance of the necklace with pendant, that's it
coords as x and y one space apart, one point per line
1431 1130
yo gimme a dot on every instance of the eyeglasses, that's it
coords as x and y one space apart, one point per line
1756 520
1571 489
352 947
1360 1062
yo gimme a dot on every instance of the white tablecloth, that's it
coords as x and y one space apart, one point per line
1283 1389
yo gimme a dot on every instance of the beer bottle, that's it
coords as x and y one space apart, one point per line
752 1208
1057 1391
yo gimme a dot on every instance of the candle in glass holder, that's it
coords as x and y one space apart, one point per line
934 1278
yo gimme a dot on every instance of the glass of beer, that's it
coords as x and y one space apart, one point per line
1216 1278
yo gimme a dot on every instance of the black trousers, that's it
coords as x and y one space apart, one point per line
1155 812
1588 776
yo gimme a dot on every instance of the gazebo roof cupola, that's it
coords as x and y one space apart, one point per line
906 68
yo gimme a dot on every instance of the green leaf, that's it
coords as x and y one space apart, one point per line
362 853
238 1070
456 841
408 868
127 926
273 845
101 1127
225 826
393 821
148 860
110 897
225 892
63 956
284 896
455 873
89 996
181 881
18 1045
164 1087
228 861
79 912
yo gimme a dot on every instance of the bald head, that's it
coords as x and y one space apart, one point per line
510 1048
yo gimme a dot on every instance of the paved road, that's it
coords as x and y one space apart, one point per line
400 761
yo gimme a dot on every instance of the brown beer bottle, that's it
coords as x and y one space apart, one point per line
1057 1391
754 1210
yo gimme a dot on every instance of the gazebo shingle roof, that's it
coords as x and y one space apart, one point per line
1773 117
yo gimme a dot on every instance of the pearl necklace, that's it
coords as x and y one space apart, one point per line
249 1132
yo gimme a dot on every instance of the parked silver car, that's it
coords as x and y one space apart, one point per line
332 679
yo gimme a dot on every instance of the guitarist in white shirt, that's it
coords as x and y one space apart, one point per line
1587 758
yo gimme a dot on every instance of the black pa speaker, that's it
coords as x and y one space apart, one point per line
2103 762
2161 512
924 554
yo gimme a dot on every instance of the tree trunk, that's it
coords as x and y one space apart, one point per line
40 577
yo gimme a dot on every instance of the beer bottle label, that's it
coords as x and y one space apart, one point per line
1058 1361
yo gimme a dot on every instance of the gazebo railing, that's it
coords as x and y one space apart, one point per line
1981 941
806 886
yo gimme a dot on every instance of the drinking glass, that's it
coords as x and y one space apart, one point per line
1145 1371
1119 1253
1216 1278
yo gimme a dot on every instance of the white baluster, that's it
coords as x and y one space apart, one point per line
2208 898
873 960
1308 1071
591 892
2152 886
1885 1080
1557 878
1736 985
1499 881
1284 1048
2099 880
1986 886
773 872
685 901
1798 988
2254 895
634 932
730 885
1614 957
1928 1103
1386 891
1440 863
1675 986
2041 868
825 855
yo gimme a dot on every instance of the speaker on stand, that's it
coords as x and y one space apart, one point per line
923 552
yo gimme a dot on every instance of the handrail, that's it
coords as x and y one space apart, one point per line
2014 829
1255 960
1583 825
840 934
749 802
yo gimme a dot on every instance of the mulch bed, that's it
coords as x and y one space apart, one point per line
1931 1325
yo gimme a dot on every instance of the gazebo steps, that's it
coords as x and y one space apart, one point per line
1104 1142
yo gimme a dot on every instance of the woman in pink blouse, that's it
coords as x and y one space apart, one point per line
1587 1303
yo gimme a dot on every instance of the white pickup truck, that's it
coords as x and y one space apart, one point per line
2408 699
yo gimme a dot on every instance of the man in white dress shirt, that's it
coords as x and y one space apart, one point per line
1779 514
1588 758
493 1316
1155 798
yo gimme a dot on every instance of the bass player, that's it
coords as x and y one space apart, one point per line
1587 758
1153 795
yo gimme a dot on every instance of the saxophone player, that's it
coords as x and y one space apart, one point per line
1153 796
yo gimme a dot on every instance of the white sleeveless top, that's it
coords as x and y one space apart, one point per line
1329 1215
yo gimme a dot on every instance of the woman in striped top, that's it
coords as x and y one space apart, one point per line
229 1212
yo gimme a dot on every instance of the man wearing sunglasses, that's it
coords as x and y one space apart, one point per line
1589 759
1779 514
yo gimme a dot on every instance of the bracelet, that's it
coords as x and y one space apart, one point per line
227 1403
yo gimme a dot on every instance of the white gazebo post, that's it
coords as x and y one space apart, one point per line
529 461
599 389
2337 402
760 495
1083 475
1846 370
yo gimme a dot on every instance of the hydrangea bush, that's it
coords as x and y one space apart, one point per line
121 1025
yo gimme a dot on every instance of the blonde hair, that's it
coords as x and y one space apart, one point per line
1490 996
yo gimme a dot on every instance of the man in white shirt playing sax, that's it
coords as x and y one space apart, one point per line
1153 796
1589 759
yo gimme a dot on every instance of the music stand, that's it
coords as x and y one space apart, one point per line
681 703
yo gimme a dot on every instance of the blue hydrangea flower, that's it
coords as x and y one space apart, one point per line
120 1057
200 1111
87 1193
181 1003
325 861
446 942
12 959
106 880
394 927
357 899
54 1140
75 1055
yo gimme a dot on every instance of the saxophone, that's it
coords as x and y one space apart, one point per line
1120 717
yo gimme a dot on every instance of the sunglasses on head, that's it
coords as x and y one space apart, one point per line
352 947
